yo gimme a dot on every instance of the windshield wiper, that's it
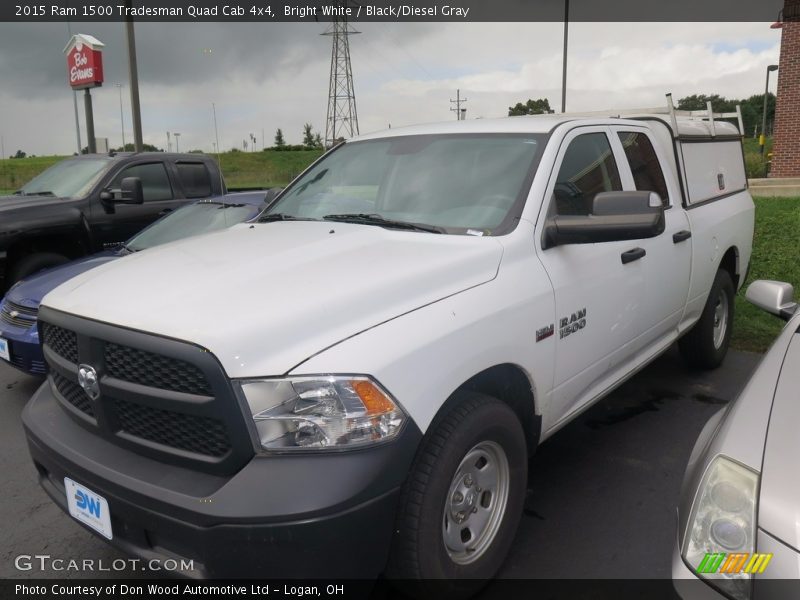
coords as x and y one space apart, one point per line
19 193
374 219
281 217
42 193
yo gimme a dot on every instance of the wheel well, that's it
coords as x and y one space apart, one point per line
730 263
60 244
509 383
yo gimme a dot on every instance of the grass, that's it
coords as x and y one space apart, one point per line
776 255
240 169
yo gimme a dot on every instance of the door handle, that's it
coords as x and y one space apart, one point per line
166 211
681 236
632 255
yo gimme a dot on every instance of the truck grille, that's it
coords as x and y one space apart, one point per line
73 393
187 432
61 341
159 397
153 370
18 315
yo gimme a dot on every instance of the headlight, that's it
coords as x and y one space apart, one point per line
720 539
322 412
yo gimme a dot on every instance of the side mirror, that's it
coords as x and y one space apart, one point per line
615 216
775 297
132 191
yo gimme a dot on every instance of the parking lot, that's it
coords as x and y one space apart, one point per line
601 498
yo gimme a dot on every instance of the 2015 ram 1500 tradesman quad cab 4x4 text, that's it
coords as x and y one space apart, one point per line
422 307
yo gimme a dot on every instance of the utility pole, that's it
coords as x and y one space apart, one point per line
342 119
133 75
564 66
461 113
121 118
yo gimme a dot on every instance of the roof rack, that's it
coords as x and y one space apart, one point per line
700 115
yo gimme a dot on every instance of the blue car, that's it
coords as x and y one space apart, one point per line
19 336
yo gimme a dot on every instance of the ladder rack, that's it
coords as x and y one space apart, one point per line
669 110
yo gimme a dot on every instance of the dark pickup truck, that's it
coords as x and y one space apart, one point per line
84 204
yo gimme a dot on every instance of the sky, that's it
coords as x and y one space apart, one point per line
261 77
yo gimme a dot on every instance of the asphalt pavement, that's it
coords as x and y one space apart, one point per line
601 498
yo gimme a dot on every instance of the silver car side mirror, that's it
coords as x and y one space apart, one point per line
775 297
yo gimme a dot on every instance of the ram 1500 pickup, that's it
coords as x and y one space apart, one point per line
420 309
82 205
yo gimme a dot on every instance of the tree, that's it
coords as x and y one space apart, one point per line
308 135
531 107
317 141
752 108
19 154
279 141
699 102
131 148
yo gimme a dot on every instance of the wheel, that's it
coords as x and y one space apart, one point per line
34 263
706 343
462 501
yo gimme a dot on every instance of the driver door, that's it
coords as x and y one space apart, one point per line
598 298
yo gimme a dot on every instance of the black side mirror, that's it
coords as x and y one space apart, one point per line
615 216
132 191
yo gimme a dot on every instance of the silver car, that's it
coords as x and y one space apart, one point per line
739 513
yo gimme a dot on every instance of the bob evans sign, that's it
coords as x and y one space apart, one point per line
84 62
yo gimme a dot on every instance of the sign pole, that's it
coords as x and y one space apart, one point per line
87 102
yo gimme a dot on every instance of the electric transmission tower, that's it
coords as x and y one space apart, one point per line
342 119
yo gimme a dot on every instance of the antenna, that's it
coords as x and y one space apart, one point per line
342 118
461 113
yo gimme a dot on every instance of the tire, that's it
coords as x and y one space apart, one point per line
479 436
706 343
33 263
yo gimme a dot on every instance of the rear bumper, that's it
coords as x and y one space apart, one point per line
318 516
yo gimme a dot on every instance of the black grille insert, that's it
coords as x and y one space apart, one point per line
73 393
61 341
154 370
202 435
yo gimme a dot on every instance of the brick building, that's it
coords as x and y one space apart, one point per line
786 149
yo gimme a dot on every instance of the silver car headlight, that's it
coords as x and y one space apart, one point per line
321 412
721 533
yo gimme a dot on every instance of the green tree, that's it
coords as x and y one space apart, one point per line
531 107
279 141
308 135
699 102
19 154
317 141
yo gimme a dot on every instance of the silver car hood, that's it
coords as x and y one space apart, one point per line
779 501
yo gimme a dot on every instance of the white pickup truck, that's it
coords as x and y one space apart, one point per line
353 383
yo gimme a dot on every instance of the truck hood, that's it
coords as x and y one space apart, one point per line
16 202
265 297
779 501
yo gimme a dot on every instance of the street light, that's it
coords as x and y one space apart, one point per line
763 139
564 59
121 118
177 135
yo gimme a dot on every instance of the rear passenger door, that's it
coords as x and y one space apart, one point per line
114 223
669 255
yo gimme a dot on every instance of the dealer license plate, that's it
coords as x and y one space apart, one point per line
89 508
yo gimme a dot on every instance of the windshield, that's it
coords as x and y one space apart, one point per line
191 220
67 179
463 183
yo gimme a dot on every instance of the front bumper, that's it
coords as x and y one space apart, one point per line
311 516
25 350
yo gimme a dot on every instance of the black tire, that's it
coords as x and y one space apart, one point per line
703 347
33 263
420 561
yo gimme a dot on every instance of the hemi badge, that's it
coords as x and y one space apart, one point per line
544 332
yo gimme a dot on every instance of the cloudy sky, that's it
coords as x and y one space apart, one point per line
262 77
